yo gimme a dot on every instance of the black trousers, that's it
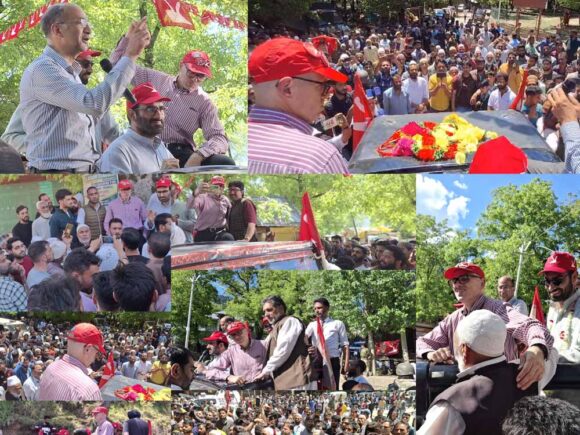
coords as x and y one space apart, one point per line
183 152
211 235
335 362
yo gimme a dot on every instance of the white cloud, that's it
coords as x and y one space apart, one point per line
460 185
434 199
456 210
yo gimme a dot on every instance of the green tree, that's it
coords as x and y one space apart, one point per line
109 20
275 11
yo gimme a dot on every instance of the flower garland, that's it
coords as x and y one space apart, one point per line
138 392
453 138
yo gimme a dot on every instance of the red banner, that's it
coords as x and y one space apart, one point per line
536 4
178 13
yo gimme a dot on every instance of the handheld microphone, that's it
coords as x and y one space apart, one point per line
107 67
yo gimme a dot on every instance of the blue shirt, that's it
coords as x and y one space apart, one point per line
570 132
396 103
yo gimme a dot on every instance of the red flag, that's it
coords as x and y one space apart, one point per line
4 37
536 312
34 19
13 32
362 113
174 13
519 100
108 371
329 378
308 230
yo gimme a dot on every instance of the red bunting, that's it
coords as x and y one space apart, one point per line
178 13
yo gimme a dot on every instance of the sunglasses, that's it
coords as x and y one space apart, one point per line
463 279
555 282
326 85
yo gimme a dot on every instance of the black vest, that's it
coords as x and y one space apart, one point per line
484 399
237 223
136 426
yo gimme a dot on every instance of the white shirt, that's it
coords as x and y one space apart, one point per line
143 368
417 90
501 102
518 305
41 228
442 418
334 334
287 338
564 325
30 388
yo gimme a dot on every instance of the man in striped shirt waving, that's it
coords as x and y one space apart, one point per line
290 80
467 282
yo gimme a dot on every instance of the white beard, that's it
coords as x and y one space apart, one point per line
46 215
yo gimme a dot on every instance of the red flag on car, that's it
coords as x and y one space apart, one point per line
362 114
536 312
308 230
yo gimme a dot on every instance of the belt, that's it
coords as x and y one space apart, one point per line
91 169
213 230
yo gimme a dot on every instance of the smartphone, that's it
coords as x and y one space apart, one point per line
68 230
107 239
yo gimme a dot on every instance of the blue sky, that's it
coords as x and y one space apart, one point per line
462 198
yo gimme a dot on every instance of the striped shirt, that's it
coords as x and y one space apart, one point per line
211 211
520 329
570 132
280 143
58 111
12 295
132 153
187 111
132 213
68 379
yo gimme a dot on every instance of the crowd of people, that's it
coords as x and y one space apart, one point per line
60 360
61 125
290 356
94 257
503 355
301 89
380 254
296 414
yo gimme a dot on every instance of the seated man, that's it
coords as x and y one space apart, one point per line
139 150
486 387
242 361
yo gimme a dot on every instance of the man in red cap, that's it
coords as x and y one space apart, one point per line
140 150
563 321
127 207
242 361
68 379
467 281
104 426
211 207
291 80
164 200
217 343
191 109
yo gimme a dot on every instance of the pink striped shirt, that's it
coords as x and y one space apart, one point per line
520 329
280 143
67 379
186 112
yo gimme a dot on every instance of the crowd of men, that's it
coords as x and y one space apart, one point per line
380 254
290 355
94 257
58 360
302 85
296 414
61 125
502 354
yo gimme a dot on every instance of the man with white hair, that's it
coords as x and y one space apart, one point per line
84 235
14 388
40 225
486 386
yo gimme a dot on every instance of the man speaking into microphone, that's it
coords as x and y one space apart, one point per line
58 111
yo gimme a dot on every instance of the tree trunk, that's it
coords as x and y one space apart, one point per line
404 346
372 352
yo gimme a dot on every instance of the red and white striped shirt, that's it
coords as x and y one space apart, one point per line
280 143
68 379
520 329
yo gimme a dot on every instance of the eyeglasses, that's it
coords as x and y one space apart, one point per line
84 22
151 109
197 76
85 63
325 85
463 279
555 282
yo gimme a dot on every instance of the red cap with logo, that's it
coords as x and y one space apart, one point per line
198 62
499 156
88 53
285 57
145 94
100 409
87 333
125 185
559 262
216 336
236 327
218 181
163 182
463 268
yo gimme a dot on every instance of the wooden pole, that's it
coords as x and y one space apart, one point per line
539 23
518 10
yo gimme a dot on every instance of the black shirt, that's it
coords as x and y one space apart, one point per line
23 232
137 259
